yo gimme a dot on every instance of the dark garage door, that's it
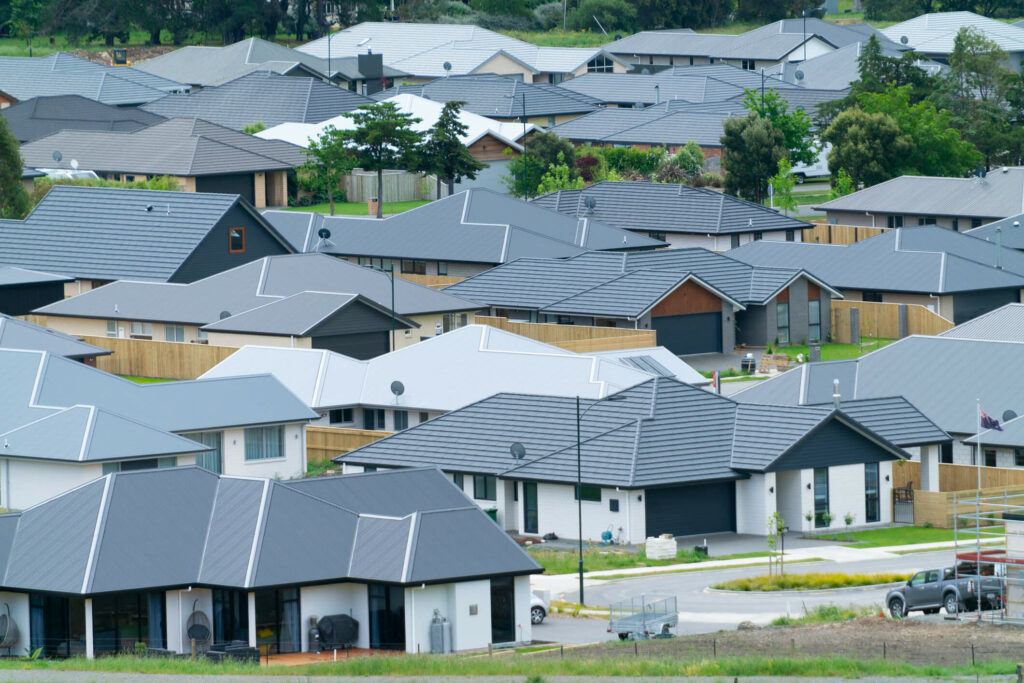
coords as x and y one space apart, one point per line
692 333
687 510
238 183
362 346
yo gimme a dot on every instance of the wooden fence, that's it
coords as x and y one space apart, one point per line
957 477
399 186
578 338
826 233
882 320
324 443
169 360
939 508
435 281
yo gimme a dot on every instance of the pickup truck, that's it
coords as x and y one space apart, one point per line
933 589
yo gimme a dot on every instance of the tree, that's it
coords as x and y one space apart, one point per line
515 8
796 125
89 19
841 184
613 15
383 138
690 13
751 151
767 11
879 73
524 173
870 147
254 127
558 177
546 146
26 17
14 200
690 158
443 153
328 158
976 65
782 187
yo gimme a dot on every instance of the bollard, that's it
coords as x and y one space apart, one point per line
1020 673
193 648
636 649
884 653
972 644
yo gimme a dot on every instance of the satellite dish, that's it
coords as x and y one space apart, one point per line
799 75
590 203
1009 415
74 164
447 66
57 156
517 450
324 234
225 314
397 388
904 40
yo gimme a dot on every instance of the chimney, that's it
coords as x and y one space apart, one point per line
999 248
835 393
657 94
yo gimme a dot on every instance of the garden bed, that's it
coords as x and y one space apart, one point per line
810 581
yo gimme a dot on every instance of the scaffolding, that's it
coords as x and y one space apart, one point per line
988 539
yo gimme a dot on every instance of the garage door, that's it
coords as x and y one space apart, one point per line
238 183
692 333
362 346
688 510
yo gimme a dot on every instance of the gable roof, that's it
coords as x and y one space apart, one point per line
13 275
178 147
632 89
21 334
660 432
935 33
838 69
73 227
254 284
187 526
472 226
1008 229
923 259
41 116
644 127
807 99
998 195
667 207
261 97
1005 323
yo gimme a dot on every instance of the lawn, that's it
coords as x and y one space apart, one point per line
567 562
899 535
359 208
835 351
145 380
811 581
824 614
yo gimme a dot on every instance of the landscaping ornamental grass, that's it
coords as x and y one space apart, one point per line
812 581
358 208
567 561
145 380
823 614
901 535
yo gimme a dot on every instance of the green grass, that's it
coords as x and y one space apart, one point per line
727 374
359 208
811 581
698 568
145 380
824 614
835 351
315 469
594 560
900 535
811 198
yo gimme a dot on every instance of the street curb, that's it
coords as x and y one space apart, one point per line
812 591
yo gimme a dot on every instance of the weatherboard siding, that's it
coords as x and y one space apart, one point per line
213 254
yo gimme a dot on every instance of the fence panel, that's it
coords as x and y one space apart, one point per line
906 472
937 507
434 281
324 443
580 338
399 186
965 477
882 320
826 233
167 360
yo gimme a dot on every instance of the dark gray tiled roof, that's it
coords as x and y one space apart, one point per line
631 89
155 529
298 315
41 116
262 96
21 334
668 207
177 147
644 127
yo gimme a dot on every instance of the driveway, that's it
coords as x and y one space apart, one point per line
705 362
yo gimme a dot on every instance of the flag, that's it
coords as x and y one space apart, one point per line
988 422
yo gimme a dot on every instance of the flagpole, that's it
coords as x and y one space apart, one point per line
977 509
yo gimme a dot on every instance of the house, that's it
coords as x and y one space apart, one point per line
956 276
64 424
298 300
458 236
41 116
504 98
1006 232
944 377
807 99
837 70
663 457
261 97
955 203
681 215
202 156
204 66
423 50
242 555
1001 324
697 300
60 73
16 333
934 34
352 393
159 236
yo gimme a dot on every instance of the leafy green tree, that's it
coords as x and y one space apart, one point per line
896 10
546 146
14 200
558 177
767 11
690 158
614 15
976 65
751 149
653 14
879 73
524 173
782 187
443 153
842 185
89 19
870 147
254 127
796 125
328 158
26 17
516 8
383 138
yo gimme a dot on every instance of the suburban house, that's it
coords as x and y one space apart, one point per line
956 276
837 70
159 236
458 236
1005 323
934 35
359 394
261 97
201 156
298 300
203 66
231 553
1005 232
972 371
423 50
956 203
663 457
16 333
64 424
41 116
697 300
681 215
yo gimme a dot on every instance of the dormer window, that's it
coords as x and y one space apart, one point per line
236 240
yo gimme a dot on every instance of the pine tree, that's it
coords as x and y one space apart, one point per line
383 138
443 154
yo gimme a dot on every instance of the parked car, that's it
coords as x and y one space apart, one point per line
819 169
934 589
538 609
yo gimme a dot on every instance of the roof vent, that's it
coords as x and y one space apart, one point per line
1005 169
1009 415
225 314
835 393
149 208
517 450
904 40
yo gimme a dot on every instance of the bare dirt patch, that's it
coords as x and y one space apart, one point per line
136 53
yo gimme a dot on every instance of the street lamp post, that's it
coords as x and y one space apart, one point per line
762 92
526 165
390 272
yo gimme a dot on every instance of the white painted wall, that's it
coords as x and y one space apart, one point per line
846 494
724 242
335 598
293 464
420 603
557 512
471 631
180 604
524 627
18 605
754 503
789 498
28 482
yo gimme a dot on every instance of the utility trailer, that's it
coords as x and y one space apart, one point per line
643 617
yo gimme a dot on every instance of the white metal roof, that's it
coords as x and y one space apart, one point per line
935 33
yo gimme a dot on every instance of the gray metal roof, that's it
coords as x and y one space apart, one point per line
72 230
661 432
935 32
262 96
838 69
807 99
632 89
13 275
1003 324
644 127
299 314
925 259
473 226
41 116
177 147
21 334
668 207
157 529
254 284
1011 435
1008 230
940 376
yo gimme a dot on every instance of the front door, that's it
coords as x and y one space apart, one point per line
871 511
503 612
387 616
530 522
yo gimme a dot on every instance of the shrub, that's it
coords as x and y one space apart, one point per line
671 172
587 167
712 180
809 582
548 16
43 185
827 613
626 160
614 15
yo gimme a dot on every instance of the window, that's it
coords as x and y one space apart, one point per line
211 460
424 416
278 622
990 458
711 60
340 415
485 487
555 79
230 615
384 264
551 121
414 267
369 468
442 267
814 320
657 236
691 61
820 495
791 235
202 336
120 620
460 480
1018 457
871 508
613 505
875 297
236 240
956 224
141 330
782 320
894 221
588 493
401 420
174 333
758 236
600 64
453 321
748 64
111 328
926 221
946 453
975 223
734 240
564 320
373 419
56 625
264 443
